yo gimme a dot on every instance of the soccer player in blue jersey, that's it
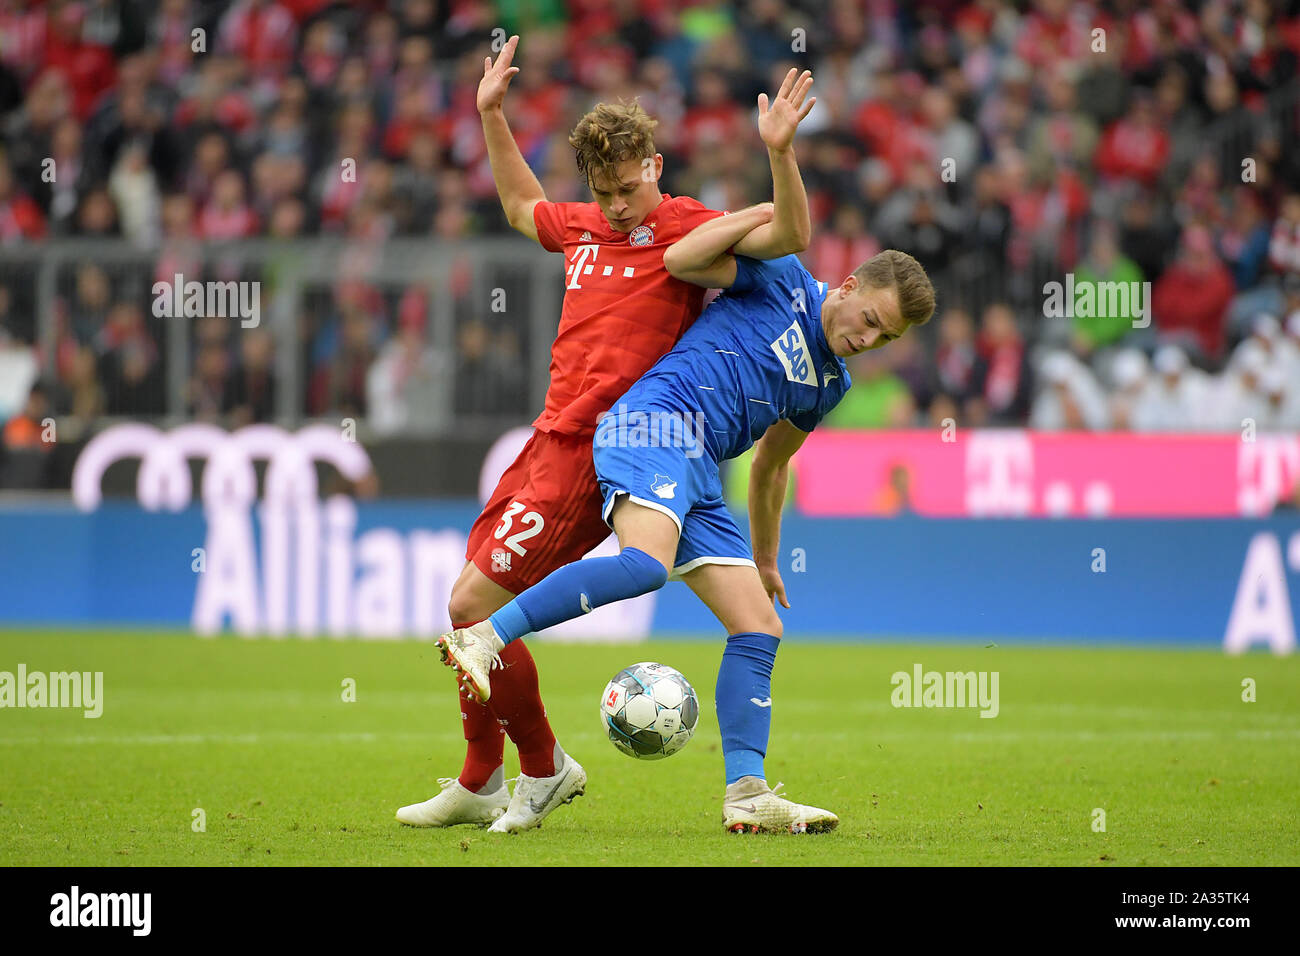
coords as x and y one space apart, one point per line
761 366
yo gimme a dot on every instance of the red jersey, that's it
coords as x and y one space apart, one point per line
622 310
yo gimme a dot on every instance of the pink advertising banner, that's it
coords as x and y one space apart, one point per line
1011 472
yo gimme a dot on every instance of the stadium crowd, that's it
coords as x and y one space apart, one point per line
1003 144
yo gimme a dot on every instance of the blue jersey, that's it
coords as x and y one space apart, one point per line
757 354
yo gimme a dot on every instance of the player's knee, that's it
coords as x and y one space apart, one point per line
761 619
647 573
771 624
464 606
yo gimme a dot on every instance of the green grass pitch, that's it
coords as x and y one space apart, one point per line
257 735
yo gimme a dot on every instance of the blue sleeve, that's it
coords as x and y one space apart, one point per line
808 420
805 421
755 273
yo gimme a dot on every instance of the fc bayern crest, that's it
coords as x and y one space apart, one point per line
641 236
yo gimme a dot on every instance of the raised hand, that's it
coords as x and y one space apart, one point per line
777 125
496 77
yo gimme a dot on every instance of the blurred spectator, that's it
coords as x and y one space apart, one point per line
130 367
89 67
1135 147
1131 376
227 215
1003 392
1243 242
488 381
403 386
85 394
1190 300
1239 393
97 215
20 217
134 188
339 386
1070 397
262 34
956 360
1106 264
1177 399
878 398
1284 245
206 392
26 442
250 390
834 254
92 296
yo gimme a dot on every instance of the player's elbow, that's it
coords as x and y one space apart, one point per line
519 214
796 240
675 263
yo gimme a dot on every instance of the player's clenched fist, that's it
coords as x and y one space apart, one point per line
776 125
496 77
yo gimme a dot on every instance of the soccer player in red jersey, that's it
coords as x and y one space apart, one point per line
622 311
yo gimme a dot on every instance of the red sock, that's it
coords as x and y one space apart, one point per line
484 739
517 701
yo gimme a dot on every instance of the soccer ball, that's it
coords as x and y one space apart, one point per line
649 711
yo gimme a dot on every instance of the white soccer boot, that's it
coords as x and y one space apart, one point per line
456 805
473 652
536 797
751 807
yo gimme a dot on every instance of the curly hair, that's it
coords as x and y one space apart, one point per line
611 134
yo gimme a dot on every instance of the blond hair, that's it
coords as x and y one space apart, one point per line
610 134
900 271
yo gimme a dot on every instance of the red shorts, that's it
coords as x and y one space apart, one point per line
544 513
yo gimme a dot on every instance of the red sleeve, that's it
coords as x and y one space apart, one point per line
550 219
692 213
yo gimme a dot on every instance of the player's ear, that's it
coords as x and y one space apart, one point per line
848 286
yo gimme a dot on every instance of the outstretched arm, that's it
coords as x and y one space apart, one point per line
700 257
791 228
516 185
768 476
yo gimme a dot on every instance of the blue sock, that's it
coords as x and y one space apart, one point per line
744 701
578 588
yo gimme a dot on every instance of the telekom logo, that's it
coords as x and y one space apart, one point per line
1266 469
999 473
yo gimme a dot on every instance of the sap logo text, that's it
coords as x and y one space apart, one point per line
791 349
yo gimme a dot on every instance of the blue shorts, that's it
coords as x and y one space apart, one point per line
678 479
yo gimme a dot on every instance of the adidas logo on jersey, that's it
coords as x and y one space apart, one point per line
793 353
585 237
